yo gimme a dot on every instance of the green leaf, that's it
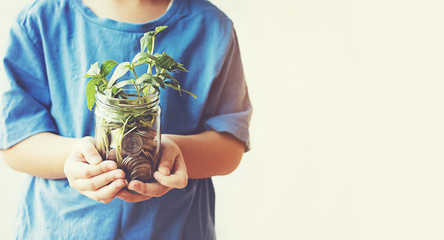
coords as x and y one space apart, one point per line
144 78
121 70
147 41
177 87
147 78
144 40
142 61
180 67
167 62
101 88
168 76
91 90
123 83
112 92
156 87
107 66
160 28
159 81
94 70
142 57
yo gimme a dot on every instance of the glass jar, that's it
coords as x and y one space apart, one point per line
128 132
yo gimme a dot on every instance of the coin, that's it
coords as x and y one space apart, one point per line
129 162
142 165
132 144
147 134
142 177
112 155
148 155
137 167
149 138
142 174
149 144
141 169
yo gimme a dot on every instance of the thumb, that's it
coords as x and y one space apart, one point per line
89 151
166 164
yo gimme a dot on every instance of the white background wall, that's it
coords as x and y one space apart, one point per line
347 132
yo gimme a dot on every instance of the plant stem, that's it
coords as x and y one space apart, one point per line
138 91
149 71
152 46
149 68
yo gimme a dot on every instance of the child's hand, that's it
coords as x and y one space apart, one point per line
172 173
92 177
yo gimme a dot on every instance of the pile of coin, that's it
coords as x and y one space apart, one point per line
139 153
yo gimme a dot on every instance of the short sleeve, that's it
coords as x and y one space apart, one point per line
229 108
25 99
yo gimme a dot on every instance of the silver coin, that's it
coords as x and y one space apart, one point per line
132 144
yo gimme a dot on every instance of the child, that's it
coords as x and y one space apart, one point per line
45 123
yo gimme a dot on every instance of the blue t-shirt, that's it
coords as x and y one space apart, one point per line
52 45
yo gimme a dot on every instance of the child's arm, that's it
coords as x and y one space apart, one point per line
210 153
42 155
48 155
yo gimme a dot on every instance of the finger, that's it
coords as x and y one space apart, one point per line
132 197
173 181
107 193
94 183
166 162
179 165
179 179
90 152
80 170
148 189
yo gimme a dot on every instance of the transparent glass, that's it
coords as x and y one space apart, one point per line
128 132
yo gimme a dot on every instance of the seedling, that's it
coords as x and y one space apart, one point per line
116 134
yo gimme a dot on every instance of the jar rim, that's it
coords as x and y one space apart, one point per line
151 100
